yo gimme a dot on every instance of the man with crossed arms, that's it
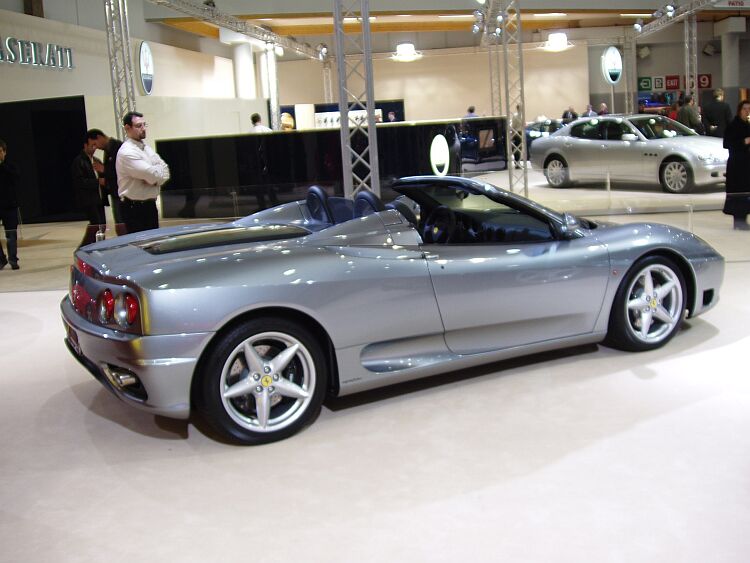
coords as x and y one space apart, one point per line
140 174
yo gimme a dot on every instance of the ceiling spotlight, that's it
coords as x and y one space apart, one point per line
638 25
499 19
480 2
478 15
669 10
322 49
406 53
475 28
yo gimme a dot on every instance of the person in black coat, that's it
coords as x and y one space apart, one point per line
737 140
110 146
87 184
8 208
716 115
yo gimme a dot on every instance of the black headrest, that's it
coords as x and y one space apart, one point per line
317 204
366 203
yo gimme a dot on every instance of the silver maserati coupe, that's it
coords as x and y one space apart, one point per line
646 149
252 323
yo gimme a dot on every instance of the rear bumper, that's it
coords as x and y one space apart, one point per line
162 365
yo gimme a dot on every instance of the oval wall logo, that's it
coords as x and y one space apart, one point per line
146 66
440 155
612 65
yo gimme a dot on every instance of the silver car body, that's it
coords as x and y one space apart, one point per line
639 158
391 307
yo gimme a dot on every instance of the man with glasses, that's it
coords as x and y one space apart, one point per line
140 174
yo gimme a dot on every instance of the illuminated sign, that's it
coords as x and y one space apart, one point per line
146 66
21 51
612 65
440 155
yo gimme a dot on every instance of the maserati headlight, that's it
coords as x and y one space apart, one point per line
711 159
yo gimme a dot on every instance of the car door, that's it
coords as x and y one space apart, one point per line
622 158
500 295
582 150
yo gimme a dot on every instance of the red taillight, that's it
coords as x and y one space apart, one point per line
106 307
84 268
131 304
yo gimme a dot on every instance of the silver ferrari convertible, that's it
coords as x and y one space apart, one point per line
645 149
253 323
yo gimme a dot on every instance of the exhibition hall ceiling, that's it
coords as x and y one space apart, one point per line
408 19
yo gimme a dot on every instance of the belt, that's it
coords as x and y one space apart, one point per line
136 201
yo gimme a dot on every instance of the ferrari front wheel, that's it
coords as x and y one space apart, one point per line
263 381
649 306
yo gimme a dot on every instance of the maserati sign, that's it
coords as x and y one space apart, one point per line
612 65
21 51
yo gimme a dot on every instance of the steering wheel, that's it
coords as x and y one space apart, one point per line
439 225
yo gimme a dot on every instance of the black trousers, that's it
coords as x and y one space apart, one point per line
95 214
139 215
9 218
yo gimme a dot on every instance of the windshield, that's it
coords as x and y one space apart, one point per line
660 127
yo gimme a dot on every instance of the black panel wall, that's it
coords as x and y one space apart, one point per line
43 138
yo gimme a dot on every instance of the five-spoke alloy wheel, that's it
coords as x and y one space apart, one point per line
263 381
649 306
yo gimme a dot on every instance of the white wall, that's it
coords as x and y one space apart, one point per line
193 92
443 84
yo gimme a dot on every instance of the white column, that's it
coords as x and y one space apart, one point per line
730 30
244 71
270 83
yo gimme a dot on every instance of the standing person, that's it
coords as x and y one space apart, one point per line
392 117
688 115
589 111
603 109
257 126
470 112
569 114
110 146
140 174
737 140
8 208
674 110
716 115
87 185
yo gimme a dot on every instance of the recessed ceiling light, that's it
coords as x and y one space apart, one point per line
551 15
634 15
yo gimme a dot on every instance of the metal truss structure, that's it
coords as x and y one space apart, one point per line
213 15
359 146
502 26
691 56
679 14
120 61
631 80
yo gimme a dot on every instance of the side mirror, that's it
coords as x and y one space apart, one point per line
629 137
569 225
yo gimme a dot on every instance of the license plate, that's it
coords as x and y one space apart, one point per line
73 340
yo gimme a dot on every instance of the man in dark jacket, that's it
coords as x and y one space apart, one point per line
87 184
688 115
110 146
717 115
8 208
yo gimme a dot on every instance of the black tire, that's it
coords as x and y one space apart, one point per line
556 172
277 393
676 176
643 319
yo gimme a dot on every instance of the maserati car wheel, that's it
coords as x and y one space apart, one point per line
676 177
556 172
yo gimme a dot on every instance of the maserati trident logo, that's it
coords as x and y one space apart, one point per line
440 155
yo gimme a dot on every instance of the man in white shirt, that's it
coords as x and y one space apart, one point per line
140 174
257 126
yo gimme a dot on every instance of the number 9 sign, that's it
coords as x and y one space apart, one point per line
704 81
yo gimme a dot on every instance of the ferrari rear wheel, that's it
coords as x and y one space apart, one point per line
676 177
556 172
649 306
264 381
